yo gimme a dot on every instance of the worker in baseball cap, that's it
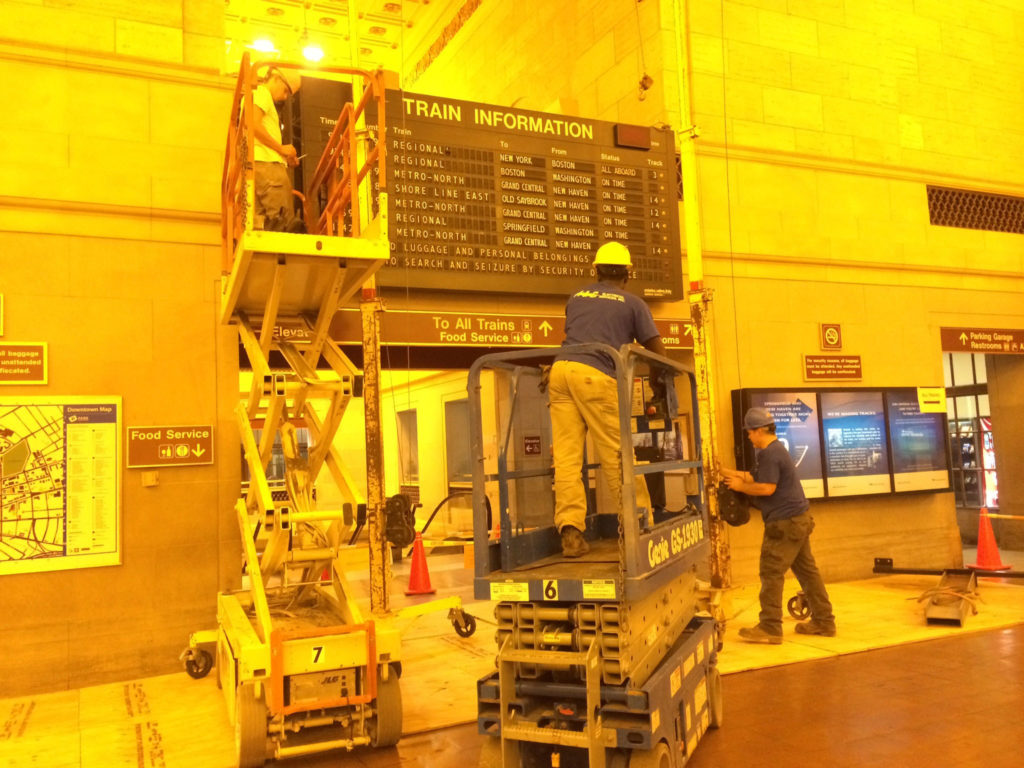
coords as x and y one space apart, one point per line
755 418
774 487
275 203
583 392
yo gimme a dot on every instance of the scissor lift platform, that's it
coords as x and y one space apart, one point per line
598 574
302 670
603 659
303 270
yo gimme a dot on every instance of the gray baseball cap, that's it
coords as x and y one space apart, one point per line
757 417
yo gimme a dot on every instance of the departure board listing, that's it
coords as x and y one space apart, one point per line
495 199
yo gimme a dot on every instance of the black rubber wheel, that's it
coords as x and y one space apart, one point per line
715 697
387 728
465 631
798 607
658 757
199 665
250 726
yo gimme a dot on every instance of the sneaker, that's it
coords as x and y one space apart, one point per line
573 543
758 635
816 628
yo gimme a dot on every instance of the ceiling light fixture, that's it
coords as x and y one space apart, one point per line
312 52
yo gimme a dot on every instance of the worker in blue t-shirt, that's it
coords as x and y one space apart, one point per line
583 393
777 492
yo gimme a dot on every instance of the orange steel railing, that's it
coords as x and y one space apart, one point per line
339 173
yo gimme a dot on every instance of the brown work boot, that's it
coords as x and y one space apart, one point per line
816 628
758 635
573 543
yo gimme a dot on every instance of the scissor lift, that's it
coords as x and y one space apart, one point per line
302 669
609 659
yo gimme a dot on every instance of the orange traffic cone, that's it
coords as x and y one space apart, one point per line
419 577
988 552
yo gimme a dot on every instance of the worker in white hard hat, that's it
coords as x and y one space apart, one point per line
775 489
275 204
582 389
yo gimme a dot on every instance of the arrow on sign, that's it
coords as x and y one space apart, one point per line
198 450
963 338
546 327
804 410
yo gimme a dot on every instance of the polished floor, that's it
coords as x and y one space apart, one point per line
955 703
891 689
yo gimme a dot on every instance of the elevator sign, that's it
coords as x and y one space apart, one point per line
170 446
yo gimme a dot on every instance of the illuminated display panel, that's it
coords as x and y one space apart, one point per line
918 443
856 449
796 426
852 442
496 199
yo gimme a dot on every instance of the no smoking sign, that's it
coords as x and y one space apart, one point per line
831 336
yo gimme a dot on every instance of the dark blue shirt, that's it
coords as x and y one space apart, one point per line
607 314
773 464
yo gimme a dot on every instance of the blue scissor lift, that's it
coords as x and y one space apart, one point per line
609 659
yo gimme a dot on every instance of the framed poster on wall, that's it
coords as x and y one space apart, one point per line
60 483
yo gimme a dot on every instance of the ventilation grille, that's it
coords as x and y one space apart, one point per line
975 210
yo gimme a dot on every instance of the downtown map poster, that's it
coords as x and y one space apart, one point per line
60 481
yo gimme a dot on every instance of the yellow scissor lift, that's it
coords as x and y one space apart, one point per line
302 669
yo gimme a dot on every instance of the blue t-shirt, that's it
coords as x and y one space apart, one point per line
607 314
773 464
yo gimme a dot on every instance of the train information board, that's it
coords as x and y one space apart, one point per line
496 199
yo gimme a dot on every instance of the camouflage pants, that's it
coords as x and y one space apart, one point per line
275 203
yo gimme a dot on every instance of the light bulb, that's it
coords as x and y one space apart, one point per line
313 52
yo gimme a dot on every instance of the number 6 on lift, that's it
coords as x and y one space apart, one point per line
551 589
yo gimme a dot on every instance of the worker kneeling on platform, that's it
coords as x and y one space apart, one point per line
582 390
776 489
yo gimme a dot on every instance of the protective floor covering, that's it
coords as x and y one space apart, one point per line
172 720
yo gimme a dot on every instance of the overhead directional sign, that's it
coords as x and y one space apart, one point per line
476 329
989 341
170 446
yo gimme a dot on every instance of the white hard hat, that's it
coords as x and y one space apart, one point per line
290 76
613 254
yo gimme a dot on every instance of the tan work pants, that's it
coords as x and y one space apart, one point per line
582 399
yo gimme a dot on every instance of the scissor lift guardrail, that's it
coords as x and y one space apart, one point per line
603 660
